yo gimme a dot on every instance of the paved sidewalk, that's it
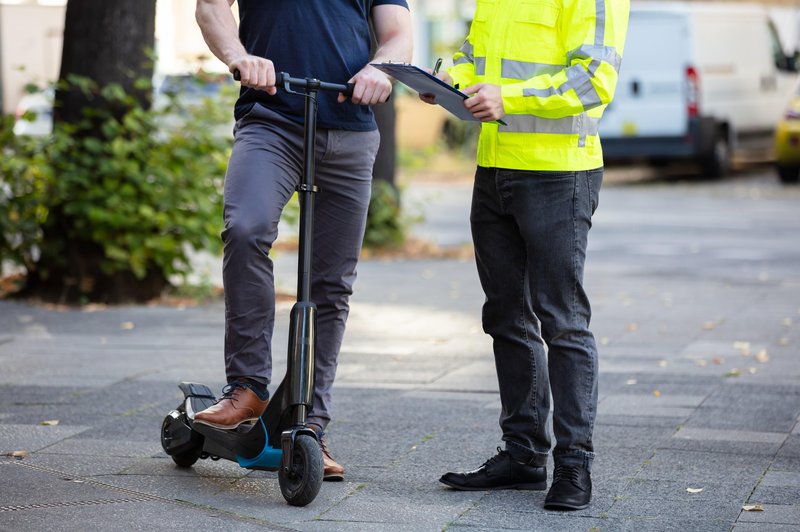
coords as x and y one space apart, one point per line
696 297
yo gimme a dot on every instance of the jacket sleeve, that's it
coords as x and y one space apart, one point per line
463 69
595 45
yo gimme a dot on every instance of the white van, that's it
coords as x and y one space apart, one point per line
697 81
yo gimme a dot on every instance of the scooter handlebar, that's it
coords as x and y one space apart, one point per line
284 80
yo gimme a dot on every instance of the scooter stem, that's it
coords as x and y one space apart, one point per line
303 322
306 190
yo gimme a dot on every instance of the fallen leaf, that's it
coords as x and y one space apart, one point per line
49 423
709 325
633 327
662 363
717 360
700 363
694 490
630 382
753 508
19 454
762 356
127 325
744 347
733 372
787 322
752 371
657 393
604 340
783 341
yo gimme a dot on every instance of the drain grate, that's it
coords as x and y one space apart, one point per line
39 506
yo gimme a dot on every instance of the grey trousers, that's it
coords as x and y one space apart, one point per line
265 167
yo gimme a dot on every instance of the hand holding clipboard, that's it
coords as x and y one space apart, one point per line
417 79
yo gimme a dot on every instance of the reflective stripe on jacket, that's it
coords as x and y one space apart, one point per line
558 63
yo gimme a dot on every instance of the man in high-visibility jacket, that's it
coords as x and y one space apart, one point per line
547 69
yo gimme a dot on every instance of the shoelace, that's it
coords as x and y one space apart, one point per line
323 443
227 391
569 473
495 458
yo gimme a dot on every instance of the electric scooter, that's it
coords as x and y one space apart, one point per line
280 440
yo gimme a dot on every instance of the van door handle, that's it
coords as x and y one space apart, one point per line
769 83
635 87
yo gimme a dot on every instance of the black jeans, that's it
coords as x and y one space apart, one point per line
530 231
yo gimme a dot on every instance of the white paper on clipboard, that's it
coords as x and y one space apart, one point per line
414 77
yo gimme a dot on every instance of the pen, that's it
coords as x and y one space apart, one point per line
438 66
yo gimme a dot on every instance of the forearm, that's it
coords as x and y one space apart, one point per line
219 29
393 32
392 25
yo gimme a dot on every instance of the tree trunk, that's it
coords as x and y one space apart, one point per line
386 159
105 41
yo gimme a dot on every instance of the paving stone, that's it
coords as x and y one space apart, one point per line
134 515
778 495
721 446
788 479
690 433
679 490
700 467
32 438
763 418
81 465
758 527
27 484
90 447
773 514
701 510
616 436
368 508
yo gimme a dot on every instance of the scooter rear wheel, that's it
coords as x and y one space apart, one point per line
301 485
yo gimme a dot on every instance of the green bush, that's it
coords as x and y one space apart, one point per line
386 225
141 191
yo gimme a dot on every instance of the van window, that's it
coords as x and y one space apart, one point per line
780 58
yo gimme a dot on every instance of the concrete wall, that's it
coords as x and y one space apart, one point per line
30 48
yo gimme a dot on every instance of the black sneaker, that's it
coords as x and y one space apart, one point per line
571 489
499 472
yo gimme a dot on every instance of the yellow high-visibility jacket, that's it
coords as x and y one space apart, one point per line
557 62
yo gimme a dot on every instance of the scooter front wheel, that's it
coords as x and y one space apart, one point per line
301 484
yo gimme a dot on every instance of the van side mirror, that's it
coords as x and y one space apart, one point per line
793 62
787 63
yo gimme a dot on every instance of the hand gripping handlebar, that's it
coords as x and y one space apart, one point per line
288 83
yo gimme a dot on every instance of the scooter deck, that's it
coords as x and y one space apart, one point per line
253 446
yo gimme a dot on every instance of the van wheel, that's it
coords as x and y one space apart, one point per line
789 175
718 162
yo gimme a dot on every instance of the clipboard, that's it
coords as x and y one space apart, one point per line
417 79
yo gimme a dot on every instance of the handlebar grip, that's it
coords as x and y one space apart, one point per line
282 78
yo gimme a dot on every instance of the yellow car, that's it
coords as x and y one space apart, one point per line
787 142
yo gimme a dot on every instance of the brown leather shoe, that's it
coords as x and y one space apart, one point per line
238 405
333 471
